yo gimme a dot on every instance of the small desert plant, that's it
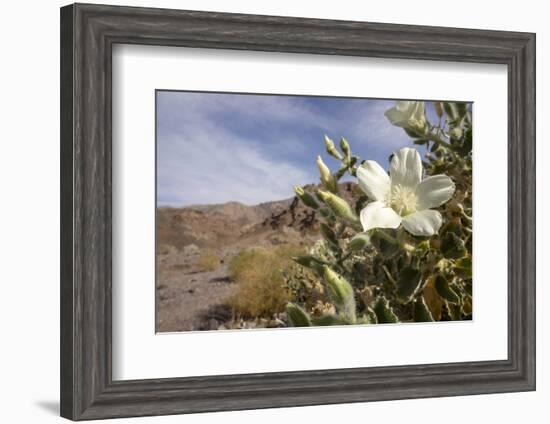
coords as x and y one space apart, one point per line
208 262
258 273
402 249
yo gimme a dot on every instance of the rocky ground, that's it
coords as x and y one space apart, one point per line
191 298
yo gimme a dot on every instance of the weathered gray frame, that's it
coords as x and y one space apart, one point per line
88 33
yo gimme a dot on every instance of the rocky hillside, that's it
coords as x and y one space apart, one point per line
228 223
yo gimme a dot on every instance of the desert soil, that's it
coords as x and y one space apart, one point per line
190 298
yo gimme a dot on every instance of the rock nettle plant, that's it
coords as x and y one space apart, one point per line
400 249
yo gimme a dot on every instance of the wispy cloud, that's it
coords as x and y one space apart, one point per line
214 148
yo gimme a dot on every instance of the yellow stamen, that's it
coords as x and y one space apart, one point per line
402 199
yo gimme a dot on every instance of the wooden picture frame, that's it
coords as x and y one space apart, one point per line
88 33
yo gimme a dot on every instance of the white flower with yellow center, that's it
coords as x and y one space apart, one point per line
403 197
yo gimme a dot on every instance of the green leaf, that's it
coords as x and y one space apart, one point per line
467 143
422 248
455 311
452 246
421 311
370 315
385 247
461 108
432 299
445 291
453 226
384 312
411 133
463 267
306 198
325 212
297 316
451 110
310 262
327 320
328 233
408 282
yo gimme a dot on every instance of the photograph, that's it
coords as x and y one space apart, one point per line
276 210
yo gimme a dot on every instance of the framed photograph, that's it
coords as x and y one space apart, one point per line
262 212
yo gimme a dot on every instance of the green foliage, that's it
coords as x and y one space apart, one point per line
341 293
445 291
384 275
452 246
421 311
360 242
384 312
408 283
327 320
463 267
297 316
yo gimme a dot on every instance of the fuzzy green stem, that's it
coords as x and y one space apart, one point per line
404 245
388 274
386 236
438 140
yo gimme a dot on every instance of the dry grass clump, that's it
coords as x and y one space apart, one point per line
258 272
208 262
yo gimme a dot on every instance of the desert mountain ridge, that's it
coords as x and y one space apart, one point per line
227 223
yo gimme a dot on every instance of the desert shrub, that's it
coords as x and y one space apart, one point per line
208 262
401 250
259 274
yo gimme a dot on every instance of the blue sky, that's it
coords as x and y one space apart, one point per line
215 148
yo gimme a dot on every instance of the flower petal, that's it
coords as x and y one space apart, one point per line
406 168
378 215
407 114
397 116
373 180
423 223
418 115
434 191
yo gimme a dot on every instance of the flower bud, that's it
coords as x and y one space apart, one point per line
344 145
341 292
456 132
327 179
339 206
297 316
359 242
331 149
305 197
438 106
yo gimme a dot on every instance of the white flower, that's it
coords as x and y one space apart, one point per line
403 197
408 115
